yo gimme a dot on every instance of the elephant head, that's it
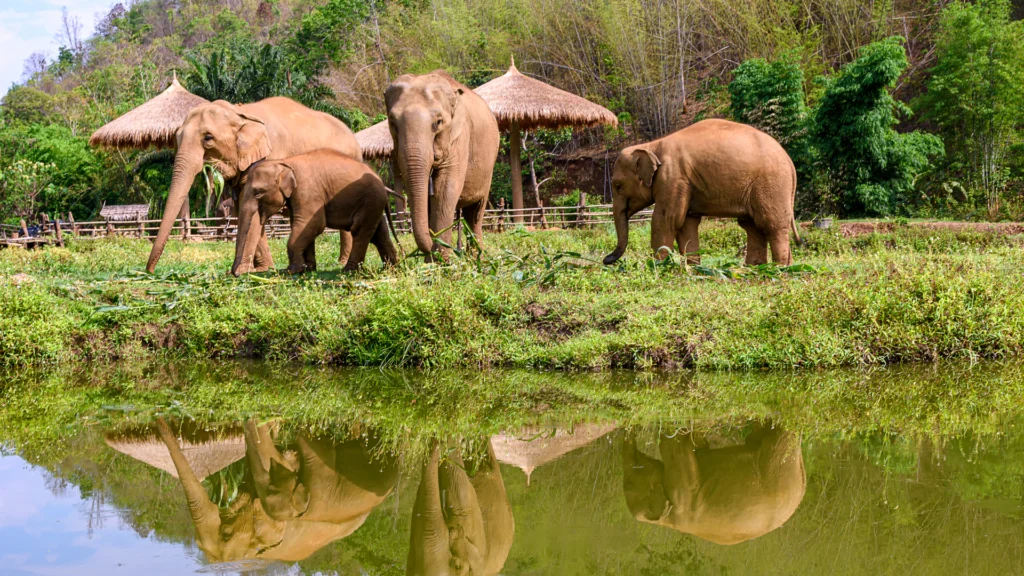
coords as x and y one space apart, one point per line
425 120
723 495
242 530
267 189
632 191
217 133
461 524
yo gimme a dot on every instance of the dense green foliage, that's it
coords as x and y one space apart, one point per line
976 97
535 299
815 74
870 168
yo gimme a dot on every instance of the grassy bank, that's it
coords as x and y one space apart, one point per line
533 299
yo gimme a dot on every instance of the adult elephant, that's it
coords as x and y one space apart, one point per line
712 168
268 518
724 495
232 138
461 521
444 135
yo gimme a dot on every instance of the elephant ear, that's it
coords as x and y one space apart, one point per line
252 141
453 99
286 181
646 164
282 477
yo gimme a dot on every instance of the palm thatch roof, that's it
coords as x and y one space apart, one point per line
534 104
533 447
124 212
205 453
375 141
151 124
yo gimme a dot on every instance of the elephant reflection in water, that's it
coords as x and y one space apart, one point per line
723 495
291 503
462 522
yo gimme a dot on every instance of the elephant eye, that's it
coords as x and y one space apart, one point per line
208 138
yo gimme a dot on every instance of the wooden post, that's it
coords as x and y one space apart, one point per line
581 210
60 235
44 224
515 162
74 227
110 228
24 228
501 214
142 229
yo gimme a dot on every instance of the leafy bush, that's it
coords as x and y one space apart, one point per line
871 168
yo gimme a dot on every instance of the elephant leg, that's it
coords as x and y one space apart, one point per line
309 255
682 471
304 233
474 215
361 236
382 241
447 189
689 241
757 244
344 246
262 259
779 241
671 202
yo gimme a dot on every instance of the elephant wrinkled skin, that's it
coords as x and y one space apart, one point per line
712 168
723 495
320 189
444 135
291 503
232 138
462 522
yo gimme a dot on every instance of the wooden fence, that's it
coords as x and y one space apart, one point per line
499 219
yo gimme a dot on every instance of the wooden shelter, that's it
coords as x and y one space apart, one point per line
124 212
154 123
533 447
523 103
206 453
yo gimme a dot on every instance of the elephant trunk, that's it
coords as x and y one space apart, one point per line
620 208
250 227
416 162
187 165
205 513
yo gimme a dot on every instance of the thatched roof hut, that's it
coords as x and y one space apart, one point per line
375 141
151 124
533 447
124 212
206 453
523 103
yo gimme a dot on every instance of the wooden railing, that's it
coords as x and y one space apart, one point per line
225 228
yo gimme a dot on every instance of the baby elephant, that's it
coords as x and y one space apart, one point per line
321 189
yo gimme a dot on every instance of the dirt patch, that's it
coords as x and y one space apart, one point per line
159 336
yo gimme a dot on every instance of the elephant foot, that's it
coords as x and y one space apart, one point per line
295 270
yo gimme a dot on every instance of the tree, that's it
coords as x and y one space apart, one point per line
975 93
871 168
26 105
21 183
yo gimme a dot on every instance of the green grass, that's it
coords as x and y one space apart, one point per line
532 300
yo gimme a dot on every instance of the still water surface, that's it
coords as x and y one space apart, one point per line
718 494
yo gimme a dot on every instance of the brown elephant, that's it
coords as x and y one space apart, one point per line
320 189
334 490
444 135
232 138
723 495
712 168
462 522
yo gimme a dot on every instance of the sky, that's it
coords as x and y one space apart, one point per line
28 26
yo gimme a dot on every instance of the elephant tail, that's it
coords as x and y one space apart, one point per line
796 233
391 223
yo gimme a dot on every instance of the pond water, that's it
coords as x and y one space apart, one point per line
174 477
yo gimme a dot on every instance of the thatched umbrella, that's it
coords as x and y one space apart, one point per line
376 144
533 447
151 124
205 453
523 103
154 123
